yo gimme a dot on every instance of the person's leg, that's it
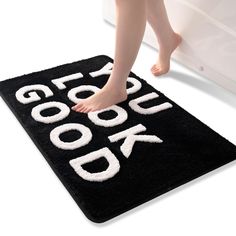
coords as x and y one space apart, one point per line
168 40
130 27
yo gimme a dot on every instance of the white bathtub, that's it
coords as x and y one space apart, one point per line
208 28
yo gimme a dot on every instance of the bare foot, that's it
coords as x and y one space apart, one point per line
109 95
163 64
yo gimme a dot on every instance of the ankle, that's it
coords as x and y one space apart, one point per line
115 88
116 83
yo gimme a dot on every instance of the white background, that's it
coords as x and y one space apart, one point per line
35 35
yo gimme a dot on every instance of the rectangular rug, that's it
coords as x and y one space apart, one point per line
117 158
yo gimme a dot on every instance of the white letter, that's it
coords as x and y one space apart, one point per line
72 93
136 85
60 82
106 70
119 119
147 111
82 141
33 96
113 168
131 137
64 112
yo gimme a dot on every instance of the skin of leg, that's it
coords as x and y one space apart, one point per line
130 27
167 39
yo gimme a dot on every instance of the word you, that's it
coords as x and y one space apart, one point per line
129 135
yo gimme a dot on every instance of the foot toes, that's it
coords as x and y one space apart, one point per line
155 68
79 109
161 72
92 109
83 109
158 70
78 105
88 109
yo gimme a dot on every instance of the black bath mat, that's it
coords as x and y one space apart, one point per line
116 159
